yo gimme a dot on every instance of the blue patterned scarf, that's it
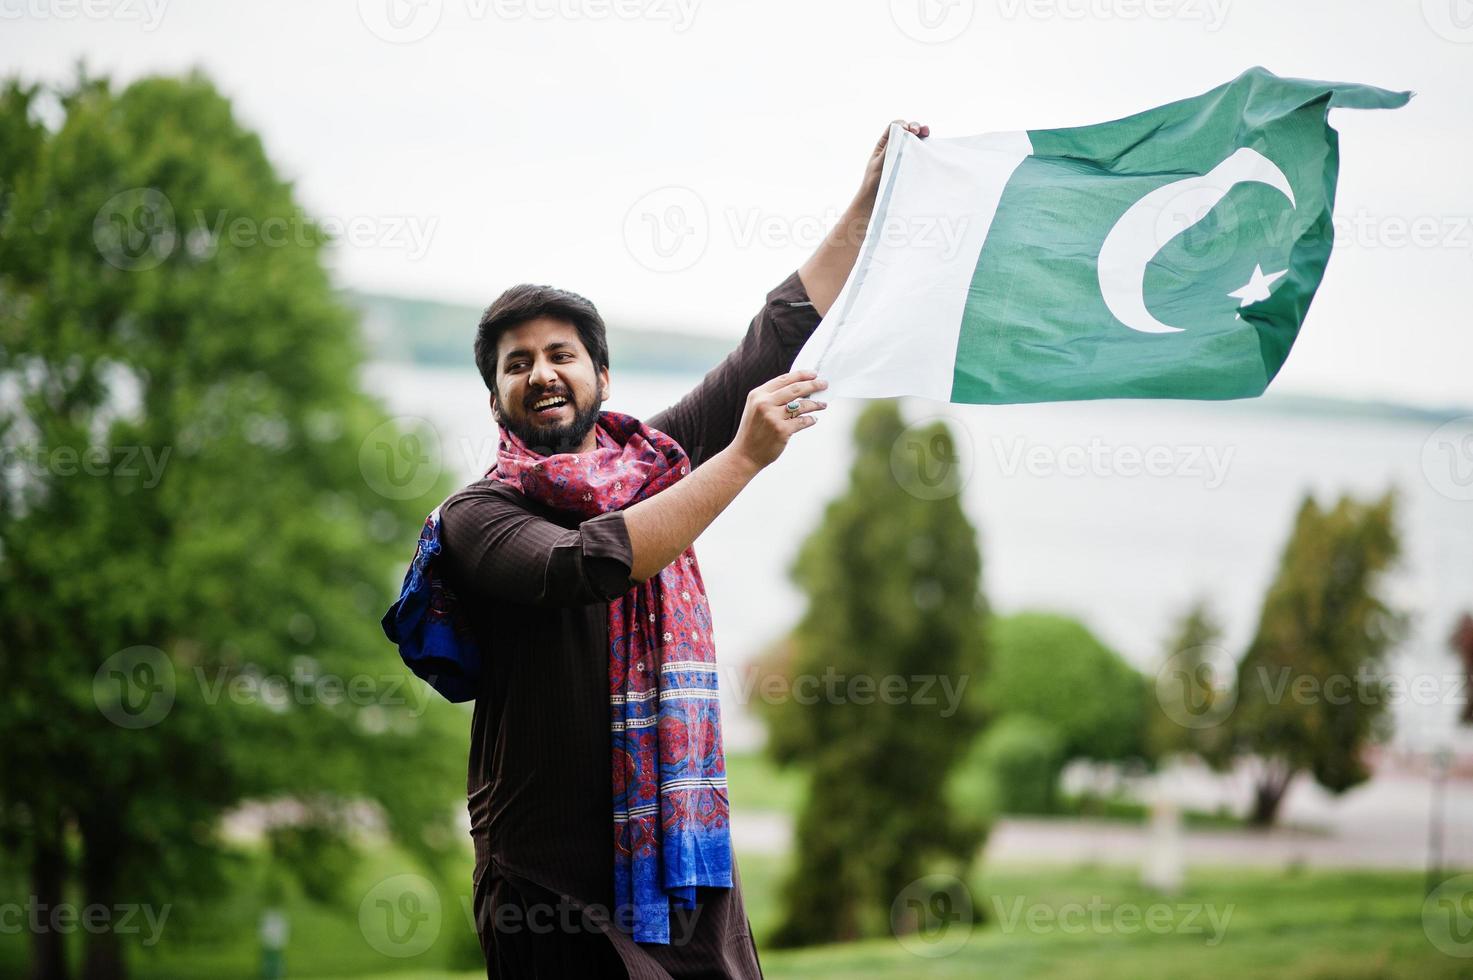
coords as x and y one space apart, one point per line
672 830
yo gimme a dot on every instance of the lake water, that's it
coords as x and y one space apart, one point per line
1119 513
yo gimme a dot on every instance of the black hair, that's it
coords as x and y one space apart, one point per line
528 302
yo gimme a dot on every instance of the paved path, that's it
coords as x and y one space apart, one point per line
1383 824
1108 842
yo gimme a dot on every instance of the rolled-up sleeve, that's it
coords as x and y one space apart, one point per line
497 548
705 421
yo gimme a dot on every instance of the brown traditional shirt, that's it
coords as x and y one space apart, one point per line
536 584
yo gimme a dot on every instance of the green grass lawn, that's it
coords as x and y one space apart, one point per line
1095 922
1045 922
221 940
1309 926
755 783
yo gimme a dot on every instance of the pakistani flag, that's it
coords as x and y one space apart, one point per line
1171 254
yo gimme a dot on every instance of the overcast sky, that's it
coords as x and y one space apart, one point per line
465 145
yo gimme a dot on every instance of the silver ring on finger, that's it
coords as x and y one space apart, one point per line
793 407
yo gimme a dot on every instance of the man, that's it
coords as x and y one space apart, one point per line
550 558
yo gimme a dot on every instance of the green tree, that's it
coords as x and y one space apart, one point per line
195 545
1013 768
1193 690
1311 691
892 576
1462 643
1053 668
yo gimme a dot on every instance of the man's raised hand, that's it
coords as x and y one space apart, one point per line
876 162
767 425
824 273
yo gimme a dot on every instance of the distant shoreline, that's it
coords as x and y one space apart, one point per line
427 333
432 334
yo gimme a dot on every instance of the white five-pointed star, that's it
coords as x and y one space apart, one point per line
1259 287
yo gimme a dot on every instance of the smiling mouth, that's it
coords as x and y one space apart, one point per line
549 406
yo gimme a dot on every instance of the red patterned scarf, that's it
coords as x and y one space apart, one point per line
671 818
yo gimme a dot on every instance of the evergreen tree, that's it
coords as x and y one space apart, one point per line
1462 643
195 544
893 585
1193 693
1311 688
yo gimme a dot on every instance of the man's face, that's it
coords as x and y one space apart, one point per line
544 361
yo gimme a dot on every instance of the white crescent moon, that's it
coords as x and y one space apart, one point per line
1173 208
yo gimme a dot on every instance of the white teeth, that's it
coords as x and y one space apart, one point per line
548 403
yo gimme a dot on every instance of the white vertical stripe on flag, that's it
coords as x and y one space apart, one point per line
893 330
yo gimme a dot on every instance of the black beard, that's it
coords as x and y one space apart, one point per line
563 438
